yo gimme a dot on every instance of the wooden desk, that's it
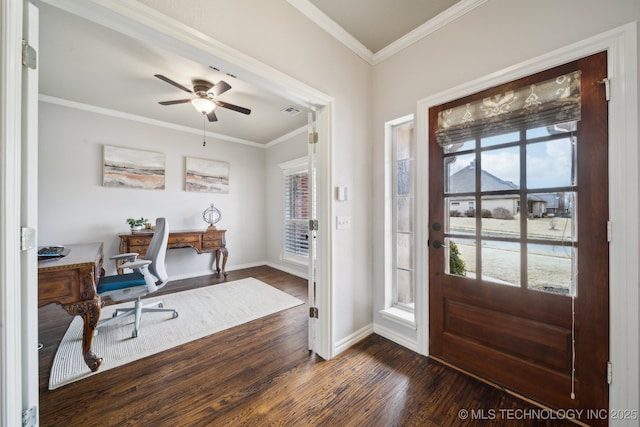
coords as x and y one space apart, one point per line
71 282
206 241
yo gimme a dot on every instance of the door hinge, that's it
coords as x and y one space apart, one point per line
27 238
609 372
313 224
609 232
313 137
29 417
313 312
29 56
607 87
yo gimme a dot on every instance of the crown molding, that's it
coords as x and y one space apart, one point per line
330 26
318 17
141 119
286 136
451 14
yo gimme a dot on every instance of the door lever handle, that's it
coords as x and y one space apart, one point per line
437 244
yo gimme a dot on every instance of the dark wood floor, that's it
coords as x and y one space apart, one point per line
261 374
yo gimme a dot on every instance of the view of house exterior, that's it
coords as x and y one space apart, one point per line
498 206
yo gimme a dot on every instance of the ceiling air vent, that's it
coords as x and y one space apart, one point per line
291 110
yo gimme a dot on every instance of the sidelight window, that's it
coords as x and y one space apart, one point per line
403 185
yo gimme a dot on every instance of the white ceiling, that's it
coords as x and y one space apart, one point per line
89 64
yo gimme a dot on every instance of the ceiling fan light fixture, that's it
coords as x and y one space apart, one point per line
203 105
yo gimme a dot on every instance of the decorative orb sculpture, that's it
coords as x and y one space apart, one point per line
211 215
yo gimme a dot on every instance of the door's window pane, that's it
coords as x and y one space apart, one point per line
460 257
500 169
500 139
511 200
551 216
550 268
501 262
551 164
460 176
459 215
551 130
500 216
464 146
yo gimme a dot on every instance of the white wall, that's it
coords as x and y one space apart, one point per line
74 207
275 33
293 148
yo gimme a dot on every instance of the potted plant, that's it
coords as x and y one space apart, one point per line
137 224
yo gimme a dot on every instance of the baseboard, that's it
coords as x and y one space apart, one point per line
209 272
396 337
239 267
352 339
281 267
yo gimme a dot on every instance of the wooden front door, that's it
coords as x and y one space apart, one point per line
518 258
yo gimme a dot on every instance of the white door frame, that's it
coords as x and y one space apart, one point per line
18 201
29 216
621 46
150 26
10 137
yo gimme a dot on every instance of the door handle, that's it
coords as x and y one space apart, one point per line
437 244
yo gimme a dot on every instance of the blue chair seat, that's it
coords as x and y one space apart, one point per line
147 277
122 281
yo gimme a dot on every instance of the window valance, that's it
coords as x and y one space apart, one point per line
546 103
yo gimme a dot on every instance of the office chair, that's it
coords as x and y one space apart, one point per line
148 276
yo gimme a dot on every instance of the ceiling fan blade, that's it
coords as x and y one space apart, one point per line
177 101
171 82
219 88
233 107
212 117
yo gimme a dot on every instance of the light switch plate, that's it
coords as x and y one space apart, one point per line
343 222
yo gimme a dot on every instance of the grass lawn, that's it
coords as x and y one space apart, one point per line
549 268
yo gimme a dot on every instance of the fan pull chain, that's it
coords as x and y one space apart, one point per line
204 122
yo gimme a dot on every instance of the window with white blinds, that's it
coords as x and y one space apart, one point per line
296 210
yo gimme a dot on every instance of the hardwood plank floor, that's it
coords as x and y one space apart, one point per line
261 374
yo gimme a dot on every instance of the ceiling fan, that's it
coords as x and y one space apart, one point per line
205 100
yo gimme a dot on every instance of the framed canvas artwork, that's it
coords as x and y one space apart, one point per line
130 168
206 176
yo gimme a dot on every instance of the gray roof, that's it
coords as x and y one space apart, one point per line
464 181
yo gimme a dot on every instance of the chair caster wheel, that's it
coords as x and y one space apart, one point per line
175 314
134 334
160 305
115 314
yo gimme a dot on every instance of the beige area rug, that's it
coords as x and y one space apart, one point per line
202 312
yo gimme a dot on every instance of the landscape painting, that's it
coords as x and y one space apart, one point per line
129 168
207 176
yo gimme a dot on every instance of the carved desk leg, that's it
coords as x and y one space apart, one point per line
225 254
90 312
89 308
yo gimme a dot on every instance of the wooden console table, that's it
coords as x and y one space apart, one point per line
71 282
206 241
